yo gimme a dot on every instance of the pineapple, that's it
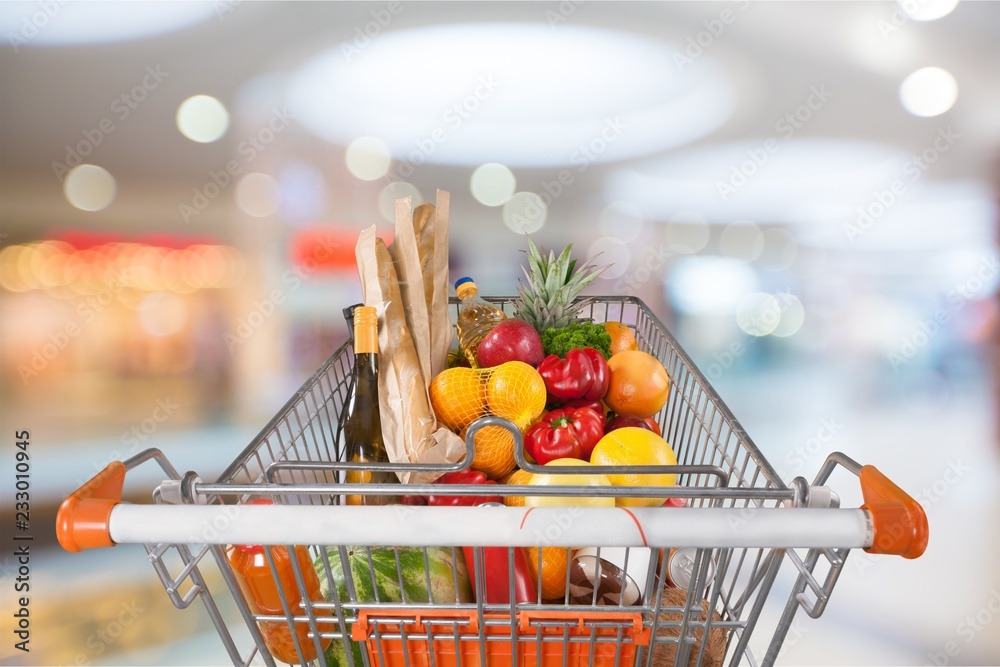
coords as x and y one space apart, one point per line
547 299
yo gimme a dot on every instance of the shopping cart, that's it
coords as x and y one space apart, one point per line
735 521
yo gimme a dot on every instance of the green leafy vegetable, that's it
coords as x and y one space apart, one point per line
559 341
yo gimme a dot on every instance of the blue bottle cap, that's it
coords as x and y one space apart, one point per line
462 281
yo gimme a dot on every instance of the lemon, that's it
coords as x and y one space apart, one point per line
634 446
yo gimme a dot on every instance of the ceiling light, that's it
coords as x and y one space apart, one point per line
622 220
520 94
59 23
492 184
202 118
709 285
927 10
780 250
793 316
758 314
258 195
928 92
687 232
612 252
89 187
741 240
525 213
398 190
368 158
914 226
804 180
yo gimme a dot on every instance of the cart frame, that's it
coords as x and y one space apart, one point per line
296 459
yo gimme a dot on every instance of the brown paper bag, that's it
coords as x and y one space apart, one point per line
436 285
408 425
411 284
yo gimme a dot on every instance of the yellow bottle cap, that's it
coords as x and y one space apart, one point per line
365 330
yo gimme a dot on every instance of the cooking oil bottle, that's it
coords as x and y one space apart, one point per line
476 318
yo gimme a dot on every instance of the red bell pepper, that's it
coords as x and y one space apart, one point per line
494 586
596 405
582 374
463 477
565 433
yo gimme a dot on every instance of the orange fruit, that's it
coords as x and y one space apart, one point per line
555 562
458 397
556 479
634 446
517 478
516 391
638 384
622 338
494 451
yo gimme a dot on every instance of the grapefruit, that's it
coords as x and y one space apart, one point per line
555 479
638 384
634 446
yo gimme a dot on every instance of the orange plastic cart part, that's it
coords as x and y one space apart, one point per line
899 522
442 649
82 521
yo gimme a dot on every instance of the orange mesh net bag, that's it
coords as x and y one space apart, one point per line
513 391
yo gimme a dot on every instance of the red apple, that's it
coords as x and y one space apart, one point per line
622 421
510 340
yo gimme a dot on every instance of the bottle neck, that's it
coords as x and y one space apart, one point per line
365 337
466 291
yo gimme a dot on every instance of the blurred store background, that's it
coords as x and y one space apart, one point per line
806 193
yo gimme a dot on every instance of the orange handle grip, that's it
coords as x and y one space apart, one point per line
899 522
82 521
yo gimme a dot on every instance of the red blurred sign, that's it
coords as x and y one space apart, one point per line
326 248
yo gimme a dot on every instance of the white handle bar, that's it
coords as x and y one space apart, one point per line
490 526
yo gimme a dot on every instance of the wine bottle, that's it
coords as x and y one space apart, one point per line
363 426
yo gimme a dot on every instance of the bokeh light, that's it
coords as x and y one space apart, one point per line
613 251
709 285
64 271
621 219
928 92
780 250
927 10
687 232
258 195
202 118
397 190
368 158
89 187
492 184
758 314
525 213
793 315
741 239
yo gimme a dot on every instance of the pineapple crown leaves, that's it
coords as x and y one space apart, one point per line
552 284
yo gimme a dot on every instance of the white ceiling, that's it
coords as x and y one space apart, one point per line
772 52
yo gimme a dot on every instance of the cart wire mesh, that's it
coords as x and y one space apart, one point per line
407 605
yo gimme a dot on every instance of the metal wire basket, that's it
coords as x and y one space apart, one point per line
396 589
